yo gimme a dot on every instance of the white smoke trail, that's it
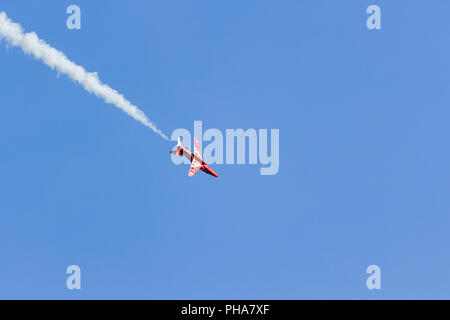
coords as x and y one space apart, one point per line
31 44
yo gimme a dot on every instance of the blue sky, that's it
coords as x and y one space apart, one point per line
364 152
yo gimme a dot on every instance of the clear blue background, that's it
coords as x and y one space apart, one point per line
364 152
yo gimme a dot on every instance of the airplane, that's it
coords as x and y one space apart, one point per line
195 158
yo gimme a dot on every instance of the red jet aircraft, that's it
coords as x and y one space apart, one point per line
195 158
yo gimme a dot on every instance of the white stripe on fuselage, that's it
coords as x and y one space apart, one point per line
190 156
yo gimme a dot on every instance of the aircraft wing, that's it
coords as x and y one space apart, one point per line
195 166
197 161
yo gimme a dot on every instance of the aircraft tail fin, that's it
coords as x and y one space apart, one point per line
179 150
